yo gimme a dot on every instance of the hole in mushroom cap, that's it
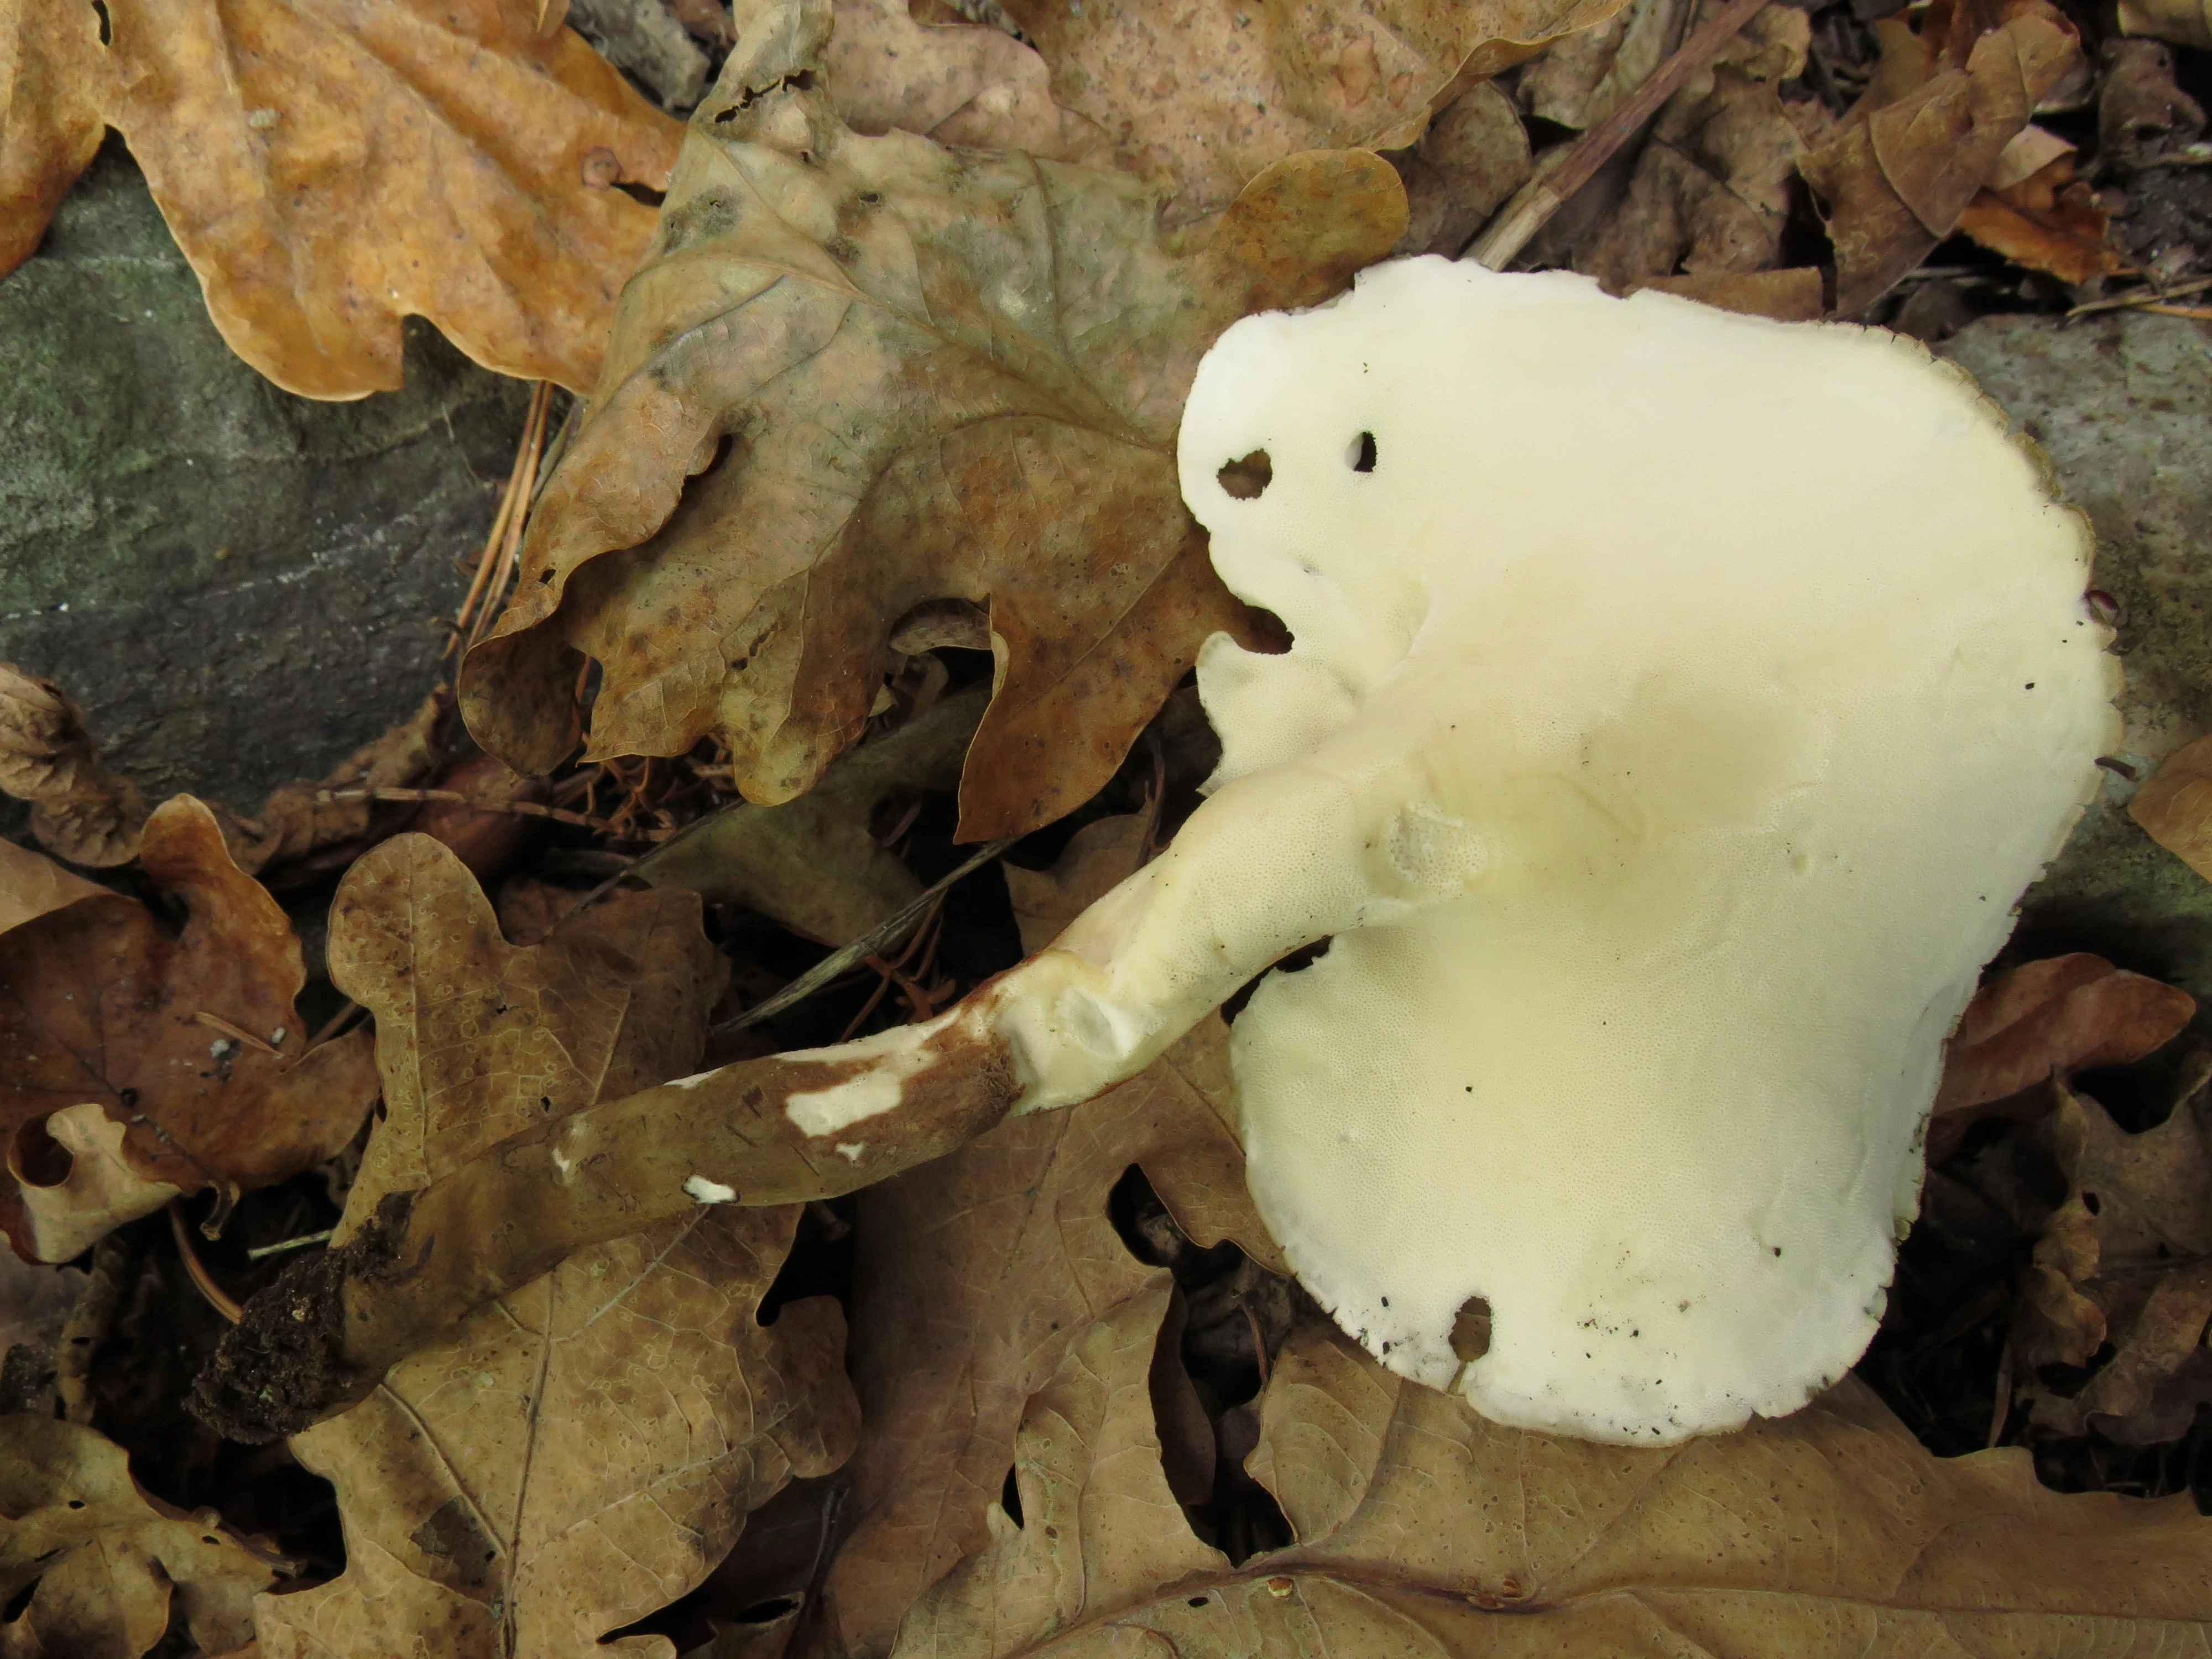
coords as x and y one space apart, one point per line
37 1159
1470 1335
1360 456
1304 956
1245 479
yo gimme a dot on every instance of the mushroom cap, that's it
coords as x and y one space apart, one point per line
1689 697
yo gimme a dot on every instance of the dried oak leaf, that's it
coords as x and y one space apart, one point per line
1201 96
1829 1533
1581 77
2184 23
857 374
330 168
1710 190
586 1449
2126 1260
975 1275
970 87
92 1568
32 885
2142 112
1920 143
1473 156
813 863
189 1042
2042 1020
1096 859
49 759
2175 807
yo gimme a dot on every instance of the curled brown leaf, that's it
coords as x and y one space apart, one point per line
2041 1020
49 759
1922 140
2125 1260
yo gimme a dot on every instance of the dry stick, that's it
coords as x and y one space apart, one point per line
639 861
889 971
203 1281
494 541
320 1337
869 944
529 809
284 1244
1538 200
2143 299
236 1034
526 496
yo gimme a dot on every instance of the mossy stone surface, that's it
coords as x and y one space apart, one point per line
240 585
2122 406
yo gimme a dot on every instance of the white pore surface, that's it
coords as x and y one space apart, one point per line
1677 709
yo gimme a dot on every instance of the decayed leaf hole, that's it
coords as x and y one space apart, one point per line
37 1159
1470 1335
1244 479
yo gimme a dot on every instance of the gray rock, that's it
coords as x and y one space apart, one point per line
2122 405
240 585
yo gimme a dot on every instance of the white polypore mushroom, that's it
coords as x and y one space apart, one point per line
1679 703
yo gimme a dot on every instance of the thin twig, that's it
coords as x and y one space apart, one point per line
559 447
528 809
839 960
886 972
203 1281
503 542
2189 156
2143 299
1541 197
284 1244
335 1024
215 1021
526 494
638 861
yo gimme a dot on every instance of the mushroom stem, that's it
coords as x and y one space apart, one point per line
322 1336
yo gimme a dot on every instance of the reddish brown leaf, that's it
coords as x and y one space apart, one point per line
192 1041
2175 807
2047 221
2043 1019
